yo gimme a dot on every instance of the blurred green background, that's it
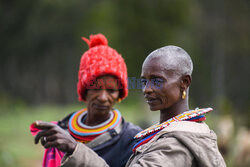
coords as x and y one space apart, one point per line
40 49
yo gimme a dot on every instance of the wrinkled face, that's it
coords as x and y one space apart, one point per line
161 87
102 97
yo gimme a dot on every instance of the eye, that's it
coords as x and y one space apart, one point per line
143 81
157 81
112 90
94 90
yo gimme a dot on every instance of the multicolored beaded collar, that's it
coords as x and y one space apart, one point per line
84 133
149 133
188 115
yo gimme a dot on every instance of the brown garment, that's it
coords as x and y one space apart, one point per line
181 144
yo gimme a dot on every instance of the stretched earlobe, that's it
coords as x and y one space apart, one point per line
185 82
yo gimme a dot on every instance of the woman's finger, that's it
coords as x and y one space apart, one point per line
39 135
51 138
44 133
43 140
51 144
46 139
43 125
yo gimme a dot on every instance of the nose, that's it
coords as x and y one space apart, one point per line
103 96
147 89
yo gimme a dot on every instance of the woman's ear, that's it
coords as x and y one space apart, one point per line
185 82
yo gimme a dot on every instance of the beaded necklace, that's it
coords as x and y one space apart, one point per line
192 115
84 133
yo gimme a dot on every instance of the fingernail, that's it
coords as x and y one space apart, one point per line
37 122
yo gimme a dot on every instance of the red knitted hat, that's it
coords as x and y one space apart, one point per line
100 60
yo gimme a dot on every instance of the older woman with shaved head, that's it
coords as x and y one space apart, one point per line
181 138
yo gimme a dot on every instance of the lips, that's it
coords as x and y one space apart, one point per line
100 107
151 100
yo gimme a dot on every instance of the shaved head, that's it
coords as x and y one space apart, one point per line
172 58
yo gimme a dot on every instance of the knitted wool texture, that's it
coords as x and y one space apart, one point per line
100 60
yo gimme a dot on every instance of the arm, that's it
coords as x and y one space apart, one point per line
166 151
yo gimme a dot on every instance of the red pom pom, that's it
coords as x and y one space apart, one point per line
96 40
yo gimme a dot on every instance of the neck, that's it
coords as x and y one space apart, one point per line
174 110
93 120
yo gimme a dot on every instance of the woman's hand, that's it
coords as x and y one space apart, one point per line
54 136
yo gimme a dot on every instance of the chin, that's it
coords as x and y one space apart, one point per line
154 108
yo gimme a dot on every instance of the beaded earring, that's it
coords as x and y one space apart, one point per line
119 100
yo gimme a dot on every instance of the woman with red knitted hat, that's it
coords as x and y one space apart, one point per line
102 82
